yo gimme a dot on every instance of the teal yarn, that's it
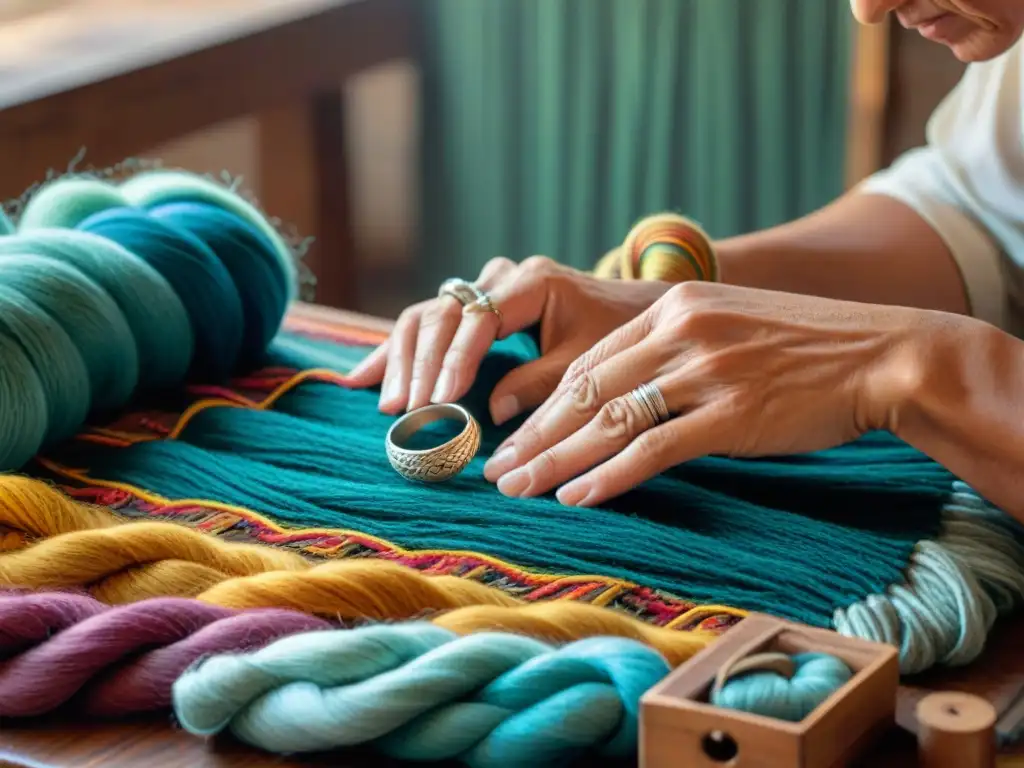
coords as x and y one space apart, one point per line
6 227
60 370
150 306
155 188
249 250
414 691
872 538
196 274
816 677
90 318
250 260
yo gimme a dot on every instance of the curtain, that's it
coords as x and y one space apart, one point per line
550 126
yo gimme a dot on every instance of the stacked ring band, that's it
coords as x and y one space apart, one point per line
652 402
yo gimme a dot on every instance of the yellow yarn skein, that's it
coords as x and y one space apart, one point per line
120 562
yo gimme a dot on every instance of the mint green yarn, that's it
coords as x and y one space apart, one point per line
66 201
817 677
154 313
90 318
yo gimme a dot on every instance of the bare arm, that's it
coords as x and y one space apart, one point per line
863 247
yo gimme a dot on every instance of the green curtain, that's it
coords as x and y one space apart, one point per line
550 126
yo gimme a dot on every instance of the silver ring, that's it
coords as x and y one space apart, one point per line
462 291
483 303
652 402
443 462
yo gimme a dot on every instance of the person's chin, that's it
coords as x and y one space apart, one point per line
981 46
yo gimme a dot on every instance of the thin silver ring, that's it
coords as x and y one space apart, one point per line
652 402
443 462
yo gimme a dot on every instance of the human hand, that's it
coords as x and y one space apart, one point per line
435 350
749 373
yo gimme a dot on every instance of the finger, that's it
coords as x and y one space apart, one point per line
683 439
370 370
520 297
572 407
453 366
529 385
438 325
401 347
625 337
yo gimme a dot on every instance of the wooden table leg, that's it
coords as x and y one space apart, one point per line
304 181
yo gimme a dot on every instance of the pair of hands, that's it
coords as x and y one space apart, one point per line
744 372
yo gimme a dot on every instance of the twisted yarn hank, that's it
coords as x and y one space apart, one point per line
57 648
121 562
419 692
89 318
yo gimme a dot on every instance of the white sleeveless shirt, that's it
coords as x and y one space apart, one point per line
967 182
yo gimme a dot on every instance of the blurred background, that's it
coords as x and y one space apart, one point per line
415 139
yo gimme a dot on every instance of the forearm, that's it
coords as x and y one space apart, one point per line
864 248
966 410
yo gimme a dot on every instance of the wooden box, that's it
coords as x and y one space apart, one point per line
680 729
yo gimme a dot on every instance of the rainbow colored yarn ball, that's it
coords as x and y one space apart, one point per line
106 289
667 247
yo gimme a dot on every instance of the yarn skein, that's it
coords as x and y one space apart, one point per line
418 692
816 676
118 661
86 320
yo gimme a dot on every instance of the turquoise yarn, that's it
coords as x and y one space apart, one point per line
250 260
88 315
418 692
88 318
6 227
196 274
59 367
150 306
817 677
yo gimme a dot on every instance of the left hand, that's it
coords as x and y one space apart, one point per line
744 372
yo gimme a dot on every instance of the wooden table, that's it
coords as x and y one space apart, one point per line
116 78
60 743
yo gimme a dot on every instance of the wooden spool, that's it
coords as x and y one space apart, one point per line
956 730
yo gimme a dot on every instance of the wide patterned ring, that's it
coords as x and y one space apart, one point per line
443 462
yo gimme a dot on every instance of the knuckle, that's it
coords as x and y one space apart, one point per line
539 265
497 265
689 291
584 393
651 446
545 464
617 419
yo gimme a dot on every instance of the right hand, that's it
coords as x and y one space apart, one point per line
434 352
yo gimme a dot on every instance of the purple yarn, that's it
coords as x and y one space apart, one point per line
119 660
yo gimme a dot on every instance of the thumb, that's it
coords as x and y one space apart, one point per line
529 385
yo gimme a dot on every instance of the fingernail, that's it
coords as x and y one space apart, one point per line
572 494
390 392
505 409
500 462
515 483
443 388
